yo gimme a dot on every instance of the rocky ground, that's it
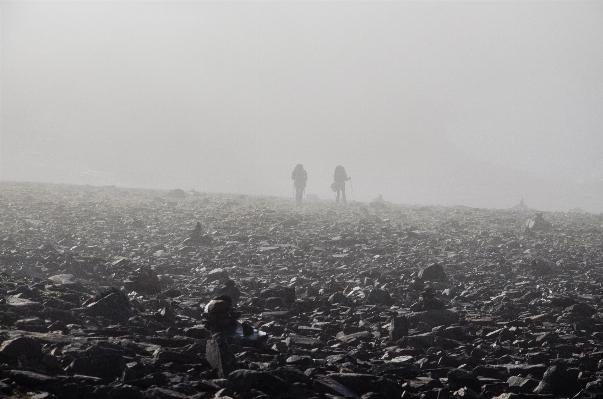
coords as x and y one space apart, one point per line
127 293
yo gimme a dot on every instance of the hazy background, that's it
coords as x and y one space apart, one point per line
452 103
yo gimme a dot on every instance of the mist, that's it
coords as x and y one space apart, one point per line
454 103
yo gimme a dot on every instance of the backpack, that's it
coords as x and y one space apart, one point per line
299 175
340 175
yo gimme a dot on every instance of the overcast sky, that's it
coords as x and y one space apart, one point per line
229 96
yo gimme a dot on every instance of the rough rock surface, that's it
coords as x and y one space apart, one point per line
126 293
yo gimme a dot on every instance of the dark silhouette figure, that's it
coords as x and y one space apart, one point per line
339 185
299 177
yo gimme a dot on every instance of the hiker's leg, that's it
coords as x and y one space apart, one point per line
343 193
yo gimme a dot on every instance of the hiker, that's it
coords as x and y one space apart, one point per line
339 185
299 177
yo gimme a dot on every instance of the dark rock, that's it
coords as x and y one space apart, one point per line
59 304
173 342
113 305
144 281
580 310
243 381
107 367
299 361
380 297
398 328
401 370
185 388
359 336
69 390
433 272
216 275
428 301
63 316
536 370
23 305
287 294
197 332
303 342
478 353
29 378
451 332
425 340
559 381
327 385
459 378
157 379
443 317
61 279
124 391
292 375
163 393
220 356
83 380
521 385
365 383
425 384
22 346
165 356
273 327
300 392
34 324
540 267
466 392
339 298
197 238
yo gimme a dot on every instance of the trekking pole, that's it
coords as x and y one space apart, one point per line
352 187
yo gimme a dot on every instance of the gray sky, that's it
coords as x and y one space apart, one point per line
433 102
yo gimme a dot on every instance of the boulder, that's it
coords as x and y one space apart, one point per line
433 272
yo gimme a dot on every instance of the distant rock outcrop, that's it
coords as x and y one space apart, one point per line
521 207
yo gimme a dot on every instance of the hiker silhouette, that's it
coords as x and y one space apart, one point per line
299 177
338 185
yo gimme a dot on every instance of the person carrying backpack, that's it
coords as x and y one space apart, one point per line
339 185
299 177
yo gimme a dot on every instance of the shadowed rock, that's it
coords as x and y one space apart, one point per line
113 305
144 281
398 328
219 355
246 380
21 346
434 272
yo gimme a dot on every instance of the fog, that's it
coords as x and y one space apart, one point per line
453 103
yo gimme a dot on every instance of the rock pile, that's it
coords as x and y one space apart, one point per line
101 298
